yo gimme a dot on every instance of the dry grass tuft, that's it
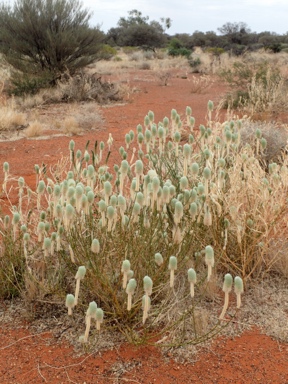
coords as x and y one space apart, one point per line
10 118
201 84
70 126
34 129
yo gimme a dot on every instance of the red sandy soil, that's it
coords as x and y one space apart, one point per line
27 358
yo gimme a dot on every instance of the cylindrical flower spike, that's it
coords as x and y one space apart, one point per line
70 303
91 313
192 278
47 246
238 289
209 260
99 315
227 286
158 258
130 289
146 305
40 191
125 269
107 191
95 246
139 173
178 213
172 266
79 276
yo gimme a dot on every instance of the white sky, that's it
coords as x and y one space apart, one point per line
191 15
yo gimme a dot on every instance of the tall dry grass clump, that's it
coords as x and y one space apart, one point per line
156 234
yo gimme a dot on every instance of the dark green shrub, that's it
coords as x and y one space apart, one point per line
179 52
52 36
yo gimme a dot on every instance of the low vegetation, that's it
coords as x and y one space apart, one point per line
184 208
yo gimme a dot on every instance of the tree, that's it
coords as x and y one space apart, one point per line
48 36
136 30
235 32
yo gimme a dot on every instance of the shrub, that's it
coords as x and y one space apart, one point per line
179 52
206 204
257 87
194 62
52 36
107 52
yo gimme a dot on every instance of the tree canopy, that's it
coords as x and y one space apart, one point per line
137 30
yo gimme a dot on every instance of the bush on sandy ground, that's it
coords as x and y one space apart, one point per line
207 206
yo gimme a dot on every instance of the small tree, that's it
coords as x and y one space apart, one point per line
48 36
137 31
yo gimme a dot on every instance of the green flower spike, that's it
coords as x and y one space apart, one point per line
91 313
158 259
192 278
79 276
95 246
172 266
238 289
99 315
209 260
70 303
227 286
130 289
125 269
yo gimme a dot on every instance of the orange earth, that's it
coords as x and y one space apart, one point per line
29 357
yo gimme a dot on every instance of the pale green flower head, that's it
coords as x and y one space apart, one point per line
70 300
139 167
178 208
173 263
177 137
148 284
188 111
184 183
193 209
192 277
228 281
238 285
95 246
165 122
139 128
195 168
72 145
124 167
90 197
131 286
158 258
102 206
16 218
47 243
209 254
210 106
161 132
99 314
125 266
41 187
127 138
5 167
92 309
207 173
258 133
81 272
110 212
151 116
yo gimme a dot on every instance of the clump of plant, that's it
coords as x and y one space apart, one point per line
179 201
255 87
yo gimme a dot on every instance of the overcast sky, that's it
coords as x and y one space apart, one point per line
191 15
